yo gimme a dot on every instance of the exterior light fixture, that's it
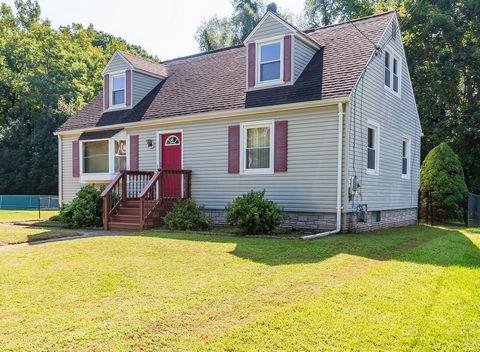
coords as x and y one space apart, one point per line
150 143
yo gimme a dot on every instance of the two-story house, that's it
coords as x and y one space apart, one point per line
324 120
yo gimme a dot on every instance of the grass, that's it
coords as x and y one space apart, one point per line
25 215
413 288
17 234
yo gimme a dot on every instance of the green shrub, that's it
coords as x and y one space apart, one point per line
85 210
254 214
442 173
186 215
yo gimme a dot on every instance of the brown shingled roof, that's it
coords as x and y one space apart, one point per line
215 80
142 64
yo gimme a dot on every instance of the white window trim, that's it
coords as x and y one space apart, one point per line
111 106
104 176
393 54
243 143
409 153
259 44
376 127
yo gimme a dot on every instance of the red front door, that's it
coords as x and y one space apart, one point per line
172 160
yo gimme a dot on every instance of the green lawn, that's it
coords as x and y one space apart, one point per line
24 215
415 288
16 234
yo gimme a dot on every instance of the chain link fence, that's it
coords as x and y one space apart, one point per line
442 208
473 212
17 202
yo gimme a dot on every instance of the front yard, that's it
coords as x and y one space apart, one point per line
25 215
413 288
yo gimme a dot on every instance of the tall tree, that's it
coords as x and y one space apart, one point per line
443 53
47 75
217 33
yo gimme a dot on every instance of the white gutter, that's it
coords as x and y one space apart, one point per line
338 227
211 115
60 180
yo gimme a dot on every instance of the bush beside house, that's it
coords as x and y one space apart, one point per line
442 173
254 214
186 216
85 210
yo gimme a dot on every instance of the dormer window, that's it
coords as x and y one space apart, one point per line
270 62
118 89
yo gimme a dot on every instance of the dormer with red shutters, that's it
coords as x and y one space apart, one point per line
277 53
128 78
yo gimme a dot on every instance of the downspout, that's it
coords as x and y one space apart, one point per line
338 227
60 181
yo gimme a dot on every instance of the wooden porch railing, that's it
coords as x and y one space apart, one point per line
164 185
126 185
151 189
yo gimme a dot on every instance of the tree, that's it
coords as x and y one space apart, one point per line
47 75
214 33
443 53
442 173
217 33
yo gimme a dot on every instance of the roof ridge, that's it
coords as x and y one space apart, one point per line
139 57
204 53
349 21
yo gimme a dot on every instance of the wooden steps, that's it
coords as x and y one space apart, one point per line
127 216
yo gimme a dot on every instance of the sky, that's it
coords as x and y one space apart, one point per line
165 28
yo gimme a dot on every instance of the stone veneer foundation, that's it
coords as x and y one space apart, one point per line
326 221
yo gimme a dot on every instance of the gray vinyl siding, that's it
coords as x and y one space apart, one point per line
269 28
308 185
302 56
117 63
142 85
397 117
70 185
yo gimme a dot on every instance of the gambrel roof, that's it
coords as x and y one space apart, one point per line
216 80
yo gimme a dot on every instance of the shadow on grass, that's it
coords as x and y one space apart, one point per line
419 244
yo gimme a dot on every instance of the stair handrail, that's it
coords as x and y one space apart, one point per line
108 207
150 191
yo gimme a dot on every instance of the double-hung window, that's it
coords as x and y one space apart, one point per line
387 69
392 67
405 158
257 147
373 148
269 62
118 89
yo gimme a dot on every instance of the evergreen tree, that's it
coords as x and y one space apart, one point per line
442 173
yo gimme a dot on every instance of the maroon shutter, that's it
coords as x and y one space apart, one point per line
128 87
287 58
106 91
234 149
75 158
281 146
134 153
251 64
